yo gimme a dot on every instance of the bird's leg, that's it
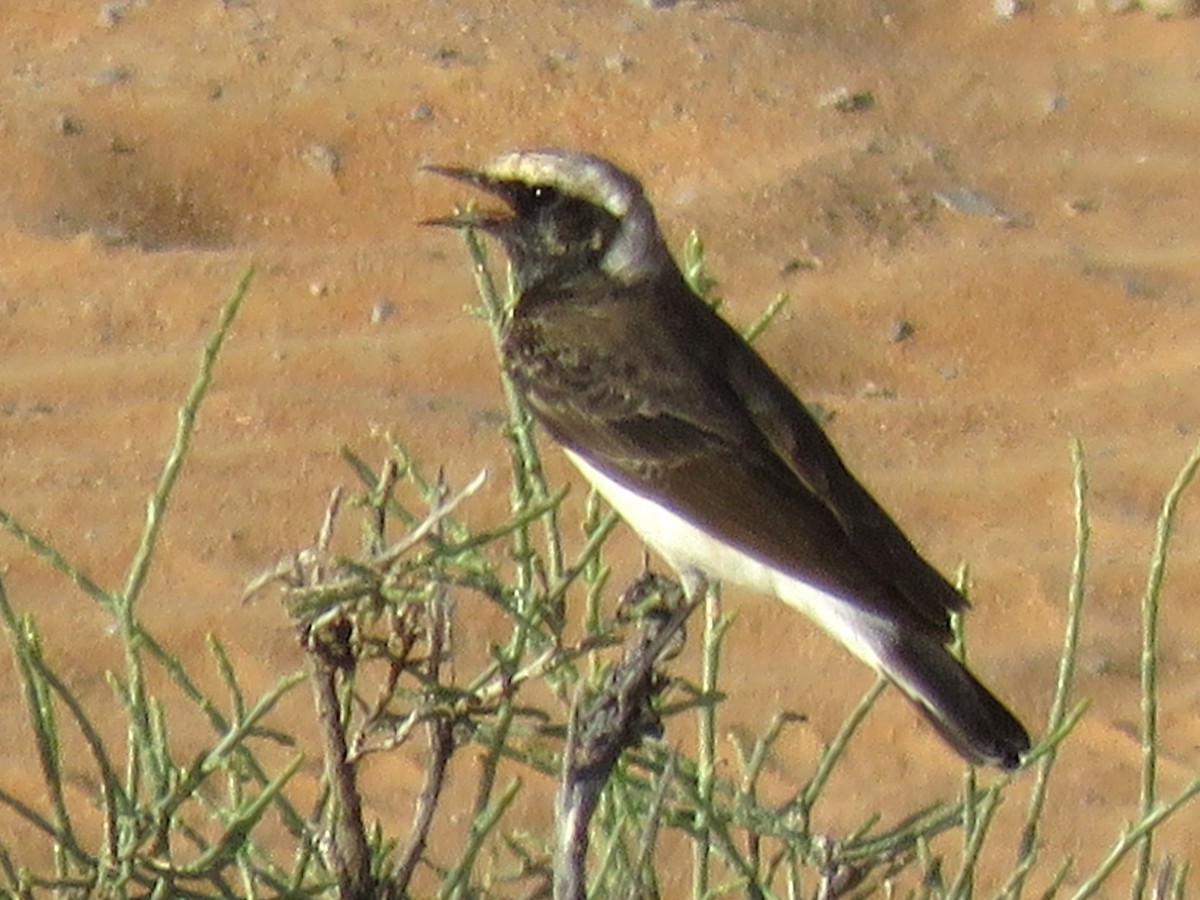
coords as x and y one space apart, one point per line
696 586
695 583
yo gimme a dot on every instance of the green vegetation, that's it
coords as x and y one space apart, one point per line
563 696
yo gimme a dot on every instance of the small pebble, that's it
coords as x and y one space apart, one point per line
111 14
873 391
115 75
445 55
798 264
845 100
1142 287
1078 206
1053 102
322 158
971 202
618 63
901 330
422 112
381 311
1007 9
318 289
68 126
560 58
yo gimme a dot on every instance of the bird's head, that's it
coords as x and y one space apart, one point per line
569 214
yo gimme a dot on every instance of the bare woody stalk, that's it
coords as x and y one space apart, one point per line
329 656
440 728
598 733
348 852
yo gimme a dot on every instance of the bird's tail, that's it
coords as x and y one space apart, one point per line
955 702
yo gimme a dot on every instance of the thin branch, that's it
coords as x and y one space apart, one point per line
1027 852
349 853
441 745
613 721
1149 663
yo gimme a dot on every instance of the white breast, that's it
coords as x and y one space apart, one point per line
687 547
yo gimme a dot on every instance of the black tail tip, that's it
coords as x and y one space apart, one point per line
985 733
1002 742
1010 755
968 716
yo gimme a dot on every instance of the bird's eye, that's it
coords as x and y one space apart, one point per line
536 198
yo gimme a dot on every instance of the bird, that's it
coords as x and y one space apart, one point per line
698 444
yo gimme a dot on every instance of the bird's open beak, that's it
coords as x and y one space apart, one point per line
470 216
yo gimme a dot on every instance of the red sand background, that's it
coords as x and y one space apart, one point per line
150 151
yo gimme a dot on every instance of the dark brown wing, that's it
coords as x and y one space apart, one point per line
797 440
656 390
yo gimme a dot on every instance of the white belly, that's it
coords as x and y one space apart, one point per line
688 547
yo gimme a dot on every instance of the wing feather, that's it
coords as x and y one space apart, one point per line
697 419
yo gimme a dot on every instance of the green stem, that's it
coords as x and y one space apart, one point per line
706 740
1028 849
137 703
1134 836
1149 666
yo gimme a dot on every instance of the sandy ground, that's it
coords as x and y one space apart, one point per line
149 152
